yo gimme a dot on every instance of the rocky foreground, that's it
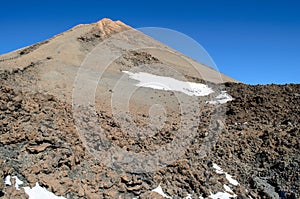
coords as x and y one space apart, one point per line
259 148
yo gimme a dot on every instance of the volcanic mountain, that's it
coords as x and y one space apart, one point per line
105 111
55 62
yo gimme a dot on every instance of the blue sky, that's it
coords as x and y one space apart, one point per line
254 41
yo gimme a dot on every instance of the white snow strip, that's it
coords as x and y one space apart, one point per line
221 195
231 180
160 191
222 98
7 180
169 84
228 189
219 170
18 182
38 192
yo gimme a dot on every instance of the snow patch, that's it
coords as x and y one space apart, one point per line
222 98
18 182
231 180
219 170
221 195
161 192
8 178
38 192
169 84
227 189
229 194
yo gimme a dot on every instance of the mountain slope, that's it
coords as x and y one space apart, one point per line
55 62
104 111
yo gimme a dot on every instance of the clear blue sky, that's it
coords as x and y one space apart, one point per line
254 41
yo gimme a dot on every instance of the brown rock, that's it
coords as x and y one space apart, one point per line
125 178
151 195
112 193
39 148
36 169
80 191
53 184
122 188
134 188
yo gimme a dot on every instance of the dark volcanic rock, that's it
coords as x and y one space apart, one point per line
259 147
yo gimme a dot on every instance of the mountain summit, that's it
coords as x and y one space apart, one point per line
55 62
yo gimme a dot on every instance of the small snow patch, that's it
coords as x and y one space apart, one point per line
160 191
169 84
219 170
221 195
38 192
8 178
227 189
231 180
18 182
222 98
